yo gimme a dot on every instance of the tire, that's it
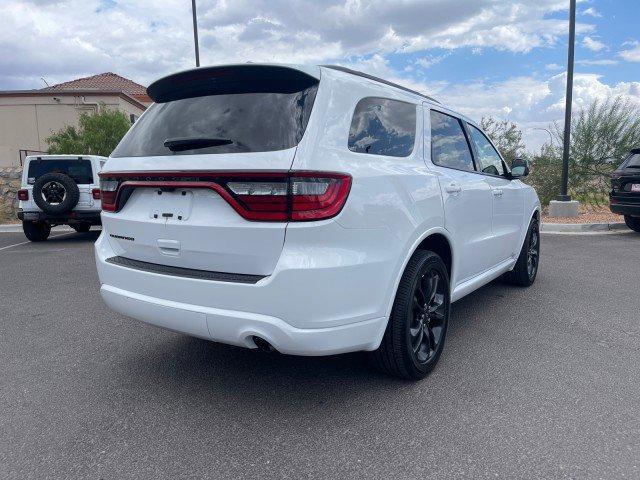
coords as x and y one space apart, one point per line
408 327
36 231
55 193
524 273
632 222
81 227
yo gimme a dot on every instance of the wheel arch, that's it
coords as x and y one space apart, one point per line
437 240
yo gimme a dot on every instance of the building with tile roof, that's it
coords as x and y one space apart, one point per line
28 117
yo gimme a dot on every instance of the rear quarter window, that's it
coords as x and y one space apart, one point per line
382 126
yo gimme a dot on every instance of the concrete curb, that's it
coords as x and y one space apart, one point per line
581 227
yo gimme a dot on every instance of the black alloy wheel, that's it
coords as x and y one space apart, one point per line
533 253
53 192
429 313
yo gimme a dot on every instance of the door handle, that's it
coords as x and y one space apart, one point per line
453 188
497 192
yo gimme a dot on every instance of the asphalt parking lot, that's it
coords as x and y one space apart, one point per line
535 383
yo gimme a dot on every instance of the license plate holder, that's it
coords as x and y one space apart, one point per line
172 205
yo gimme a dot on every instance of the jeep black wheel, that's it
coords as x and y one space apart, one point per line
632 222
36 231
55 193
415 334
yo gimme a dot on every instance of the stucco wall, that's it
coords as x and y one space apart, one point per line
9 185
27 121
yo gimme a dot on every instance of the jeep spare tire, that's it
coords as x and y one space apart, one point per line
55 193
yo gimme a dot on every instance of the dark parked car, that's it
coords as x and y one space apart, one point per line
625 190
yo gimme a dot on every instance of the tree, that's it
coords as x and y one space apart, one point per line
505 135
601 137
97 134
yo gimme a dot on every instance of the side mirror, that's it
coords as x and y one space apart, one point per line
519 168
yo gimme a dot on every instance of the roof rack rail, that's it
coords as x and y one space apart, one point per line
378 79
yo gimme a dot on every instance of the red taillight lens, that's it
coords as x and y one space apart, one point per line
300 196
23 195
109 194
272 197
261 200
316 197
95 193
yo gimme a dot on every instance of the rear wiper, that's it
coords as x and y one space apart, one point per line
193 143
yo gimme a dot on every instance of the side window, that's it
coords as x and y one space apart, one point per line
488 159
449 147
383 127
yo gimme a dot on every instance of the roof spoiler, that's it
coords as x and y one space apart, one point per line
231 79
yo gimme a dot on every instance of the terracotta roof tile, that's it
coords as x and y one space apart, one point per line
103 82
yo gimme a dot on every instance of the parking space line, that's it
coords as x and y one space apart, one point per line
23 243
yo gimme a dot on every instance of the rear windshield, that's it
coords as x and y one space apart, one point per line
223 123
79 170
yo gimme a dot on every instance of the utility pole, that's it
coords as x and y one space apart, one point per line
564 196
195 31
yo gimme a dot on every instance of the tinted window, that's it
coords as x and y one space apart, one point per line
633 162
79 170
237 122
383 127
488 158
449 147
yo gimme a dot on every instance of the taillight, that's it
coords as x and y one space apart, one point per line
95 193
316 197
23 195
273 197
109 194
300 196
261 200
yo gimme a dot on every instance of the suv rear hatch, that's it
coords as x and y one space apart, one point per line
180 189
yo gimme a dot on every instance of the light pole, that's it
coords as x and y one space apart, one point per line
545 130
195 31
564 196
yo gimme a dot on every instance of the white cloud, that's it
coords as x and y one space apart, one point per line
428 61
66 39
632 54
600 62
592 44
147 38
533 102
592 12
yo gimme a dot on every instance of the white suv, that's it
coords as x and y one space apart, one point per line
308 210
59 190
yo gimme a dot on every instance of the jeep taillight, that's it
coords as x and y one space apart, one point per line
23 195
260 196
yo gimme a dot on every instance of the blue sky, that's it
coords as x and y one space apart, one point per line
501 58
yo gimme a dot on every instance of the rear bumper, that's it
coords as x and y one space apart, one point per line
623 207
239 328
80 216
317 301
